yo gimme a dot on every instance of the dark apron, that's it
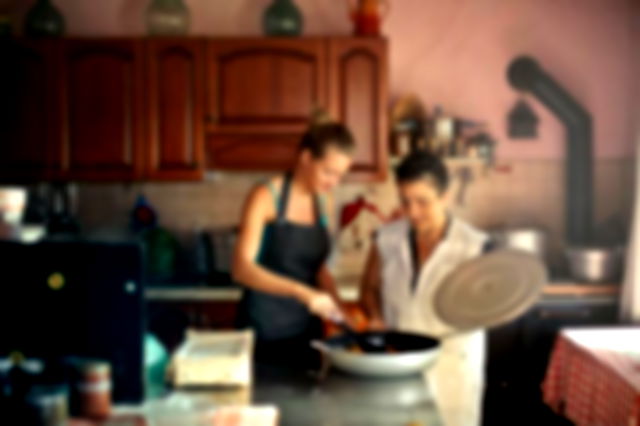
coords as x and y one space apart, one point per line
283 325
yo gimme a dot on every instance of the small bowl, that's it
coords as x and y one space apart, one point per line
595 264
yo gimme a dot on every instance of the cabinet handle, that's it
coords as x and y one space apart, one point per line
573 314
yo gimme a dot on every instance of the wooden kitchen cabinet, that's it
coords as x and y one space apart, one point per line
542 325
103 109
260 95
199 314
30 137
518 355
170 320
528 340
175 109
358 98
125 109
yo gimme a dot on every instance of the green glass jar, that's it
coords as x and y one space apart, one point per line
5 26
282 19
44 20
167 17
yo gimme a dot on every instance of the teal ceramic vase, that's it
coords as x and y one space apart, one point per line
44 20
168 18
282 19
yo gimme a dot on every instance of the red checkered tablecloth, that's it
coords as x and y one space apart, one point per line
593 377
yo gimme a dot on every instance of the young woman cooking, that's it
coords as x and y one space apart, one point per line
408 258
282 249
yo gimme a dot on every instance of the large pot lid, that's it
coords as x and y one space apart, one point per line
490 290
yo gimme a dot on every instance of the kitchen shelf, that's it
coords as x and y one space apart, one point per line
573 289
193 294
218 294
350 293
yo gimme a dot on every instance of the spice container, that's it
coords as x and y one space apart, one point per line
47 405
92 390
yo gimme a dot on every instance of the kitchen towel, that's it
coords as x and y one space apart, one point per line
630 296
593 376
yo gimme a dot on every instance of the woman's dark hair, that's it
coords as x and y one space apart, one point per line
421 165
318 138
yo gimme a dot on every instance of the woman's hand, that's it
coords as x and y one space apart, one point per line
322 304
377 324
370 294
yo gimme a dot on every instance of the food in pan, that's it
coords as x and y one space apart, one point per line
355 348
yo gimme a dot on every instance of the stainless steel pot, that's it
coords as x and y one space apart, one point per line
412 354
595 264
531 240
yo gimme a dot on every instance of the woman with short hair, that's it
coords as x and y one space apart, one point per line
408 258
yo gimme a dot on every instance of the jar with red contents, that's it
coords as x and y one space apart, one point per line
92 389
367 16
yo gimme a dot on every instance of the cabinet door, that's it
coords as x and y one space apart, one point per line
358 98
29 120
218 315
175 93
261 93
103 109
545 321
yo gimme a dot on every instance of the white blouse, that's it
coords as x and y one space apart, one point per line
457 378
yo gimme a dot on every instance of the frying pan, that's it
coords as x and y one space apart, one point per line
486 291
412 353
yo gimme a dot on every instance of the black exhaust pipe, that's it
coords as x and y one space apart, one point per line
525 74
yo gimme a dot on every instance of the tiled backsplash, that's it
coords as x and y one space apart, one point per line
524 193
182 207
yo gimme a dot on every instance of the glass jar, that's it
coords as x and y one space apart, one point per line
93 389
167 17
48 405
282 18
44 20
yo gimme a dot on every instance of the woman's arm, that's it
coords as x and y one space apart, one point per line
370 299
327 283
248 272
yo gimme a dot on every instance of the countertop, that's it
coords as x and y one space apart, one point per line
340 399
303 399
218 294
349 293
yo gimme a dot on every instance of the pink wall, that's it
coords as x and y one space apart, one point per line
455 53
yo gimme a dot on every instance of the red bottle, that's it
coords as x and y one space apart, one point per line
367 16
